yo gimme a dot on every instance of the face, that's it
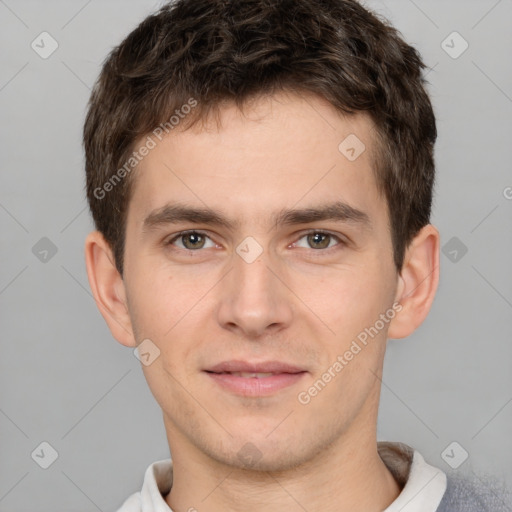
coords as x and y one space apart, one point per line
257 246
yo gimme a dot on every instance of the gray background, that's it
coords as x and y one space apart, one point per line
64 380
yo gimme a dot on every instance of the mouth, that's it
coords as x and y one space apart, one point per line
247 375
254 379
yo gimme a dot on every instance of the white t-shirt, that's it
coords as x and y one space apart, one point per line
423 485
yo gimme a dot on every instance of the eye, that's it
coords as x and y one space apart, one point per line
195 240
319 240
191 240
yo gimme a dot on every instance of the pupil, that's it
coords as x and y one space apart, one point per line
320 240
193 240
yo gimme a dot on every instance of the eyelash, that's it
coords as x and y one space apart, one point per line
340 241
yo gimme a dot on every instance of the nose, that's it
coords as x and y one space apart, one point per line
254 299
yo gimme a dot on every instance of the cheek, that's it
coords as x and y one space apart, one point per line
160 301
170 310
346 299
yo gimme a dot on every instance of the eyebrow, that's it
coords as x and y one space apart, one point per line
175 213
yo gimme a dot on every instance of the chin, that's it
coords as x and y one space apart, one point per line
258 453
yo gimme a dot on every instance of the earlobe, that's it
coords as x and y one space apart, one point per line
418 282
108 289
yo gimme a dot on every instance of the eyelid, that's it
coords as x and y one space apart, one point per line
176 236
339 238
297 236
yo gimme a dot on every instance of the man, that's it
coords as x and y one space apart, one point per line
260 174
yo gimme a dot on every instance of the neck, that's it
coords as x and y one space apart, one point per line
346 476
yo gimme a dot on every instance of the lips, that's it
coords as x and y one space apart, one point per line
250 375
245 367
255 379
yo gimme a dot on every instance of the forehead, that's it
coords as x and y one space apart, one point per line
279 151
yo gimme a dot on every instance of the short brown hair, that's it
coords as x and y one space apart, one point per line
213 51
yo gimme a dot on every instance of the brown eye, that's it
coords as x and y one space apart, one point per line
191 241
319 240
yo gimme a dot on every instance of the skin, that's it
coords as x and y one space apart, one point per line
295 303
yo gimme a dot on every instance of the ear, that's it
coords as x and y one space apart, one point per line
108 289
417 282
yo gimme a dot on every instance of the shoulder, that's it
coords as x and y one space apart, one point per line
157 483
475 494
132 504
